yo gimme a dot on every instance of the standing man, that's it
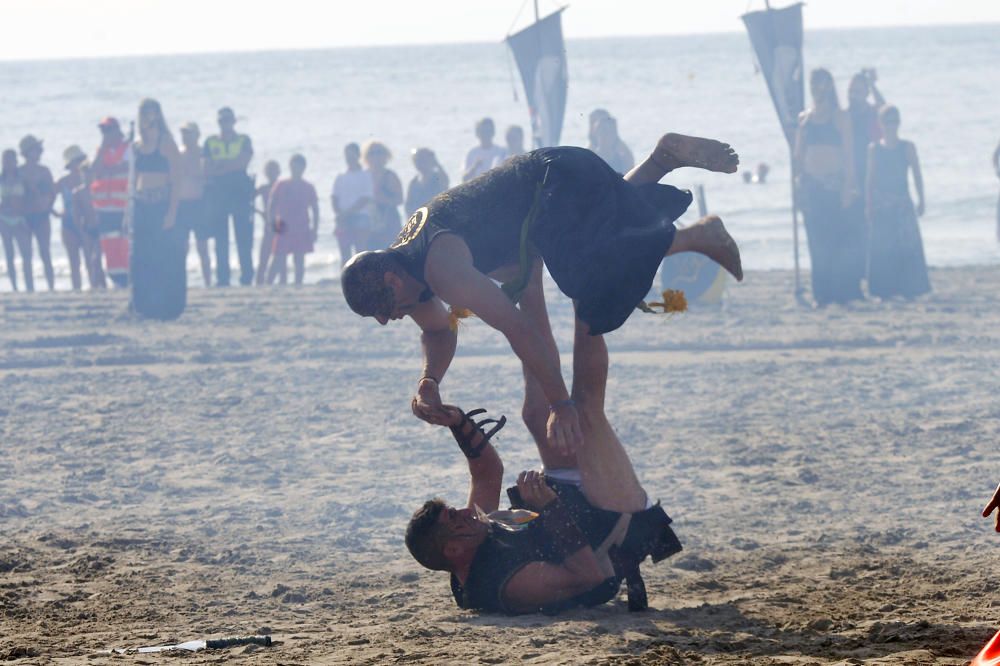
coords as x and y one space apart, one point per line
486 155
109 198
230 193
353 193
191 207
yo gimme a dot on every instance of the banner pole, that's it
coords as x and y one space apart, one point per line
795 227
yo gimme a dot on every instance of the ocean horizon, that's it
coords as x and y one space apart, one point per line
314 101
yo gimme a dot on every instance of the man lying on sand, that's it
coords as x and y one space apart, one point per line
592 529
601 237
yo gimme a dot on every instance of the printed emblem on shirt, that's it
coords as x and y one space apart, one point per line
412 228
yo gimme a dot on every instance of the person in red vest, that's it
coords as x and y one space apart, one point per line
109 197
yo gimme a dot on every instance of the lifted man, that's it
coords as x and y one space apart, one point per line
602 237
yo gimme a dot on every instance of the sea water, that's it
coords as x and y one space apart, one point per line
943 79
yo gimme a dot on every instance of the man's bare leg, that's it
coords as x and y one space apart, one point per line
535 411
708 236
674 151
607 476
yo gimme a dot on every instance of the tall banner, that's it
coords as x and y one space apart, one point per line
541 58
776 36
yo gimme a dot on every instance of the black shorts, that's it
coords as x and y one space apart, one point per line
192 216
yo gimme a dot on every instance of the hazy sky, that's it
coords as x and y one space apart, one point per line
67 28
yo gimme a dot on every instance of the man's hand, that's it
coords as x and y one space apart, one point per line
426 404
563 428
994 504
534 491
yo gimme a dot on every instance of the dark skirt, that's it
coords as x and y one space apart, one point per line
602 238
157 263
896 264
836 247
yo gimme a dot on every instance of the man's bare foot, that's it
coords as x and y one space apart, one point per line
677 150
708 236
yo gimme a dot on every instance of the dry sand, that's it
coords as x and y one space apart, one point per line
250 469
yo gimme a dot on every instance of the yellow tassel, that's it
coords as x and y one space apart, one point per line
455 314
673 301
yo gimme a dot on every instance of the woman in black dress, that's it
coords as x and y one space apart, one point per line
159 245
896 265
827 188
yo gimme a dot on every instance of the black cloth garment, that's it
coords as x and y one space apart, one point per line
601 238
835 242
504 553
157 263
896 263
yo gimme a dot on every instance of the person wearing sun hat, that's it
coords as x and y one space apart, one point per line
72 228
40 193
192 215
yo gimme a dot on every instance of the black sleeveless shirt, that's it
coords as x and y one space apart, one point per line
486 212
504 553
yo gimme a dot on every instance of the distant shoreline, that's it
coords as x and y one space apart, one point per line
737 30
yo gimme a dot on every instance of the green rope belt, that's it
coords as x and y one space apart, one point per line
515 288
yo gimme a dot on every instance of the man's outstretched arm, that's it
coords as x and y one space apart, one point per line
452 276
438 342
485 466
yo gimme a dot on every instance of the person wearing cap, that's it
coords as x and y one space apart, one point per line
230 193
191 213
109 197
79 240
40 194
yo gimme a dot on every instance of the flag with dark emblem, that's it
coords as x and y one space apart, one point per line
541 58
776 36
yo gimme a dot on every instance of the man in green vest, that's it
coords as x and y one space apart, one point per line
229 193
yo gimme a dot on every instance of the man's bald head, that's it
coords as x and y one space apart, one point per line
363 283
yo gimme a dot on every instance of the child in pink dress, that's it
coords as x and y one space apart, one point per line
288 211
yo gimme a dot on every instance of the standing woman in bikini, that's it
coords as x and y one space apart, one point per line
828 187
40 194
13 226
159 276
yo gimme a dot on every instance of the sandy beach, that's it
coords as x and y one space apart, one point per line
250 469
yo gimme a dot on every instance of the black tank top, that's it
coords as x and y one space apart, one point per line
821 134
890 169
486 212
152 162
